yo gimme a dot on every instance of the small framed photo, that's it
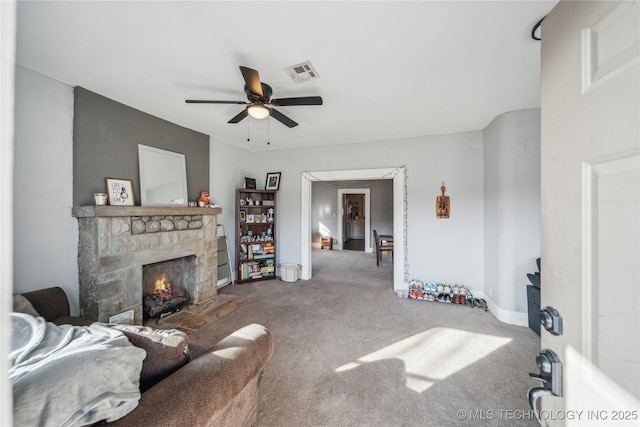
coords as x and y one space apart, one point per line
250 183
120 192
273 181
243 215
250 219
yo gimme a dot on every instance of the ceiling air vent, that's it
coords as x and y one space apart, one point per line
302 72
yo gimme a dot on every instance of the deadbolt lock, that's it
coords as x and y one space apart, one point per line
551 320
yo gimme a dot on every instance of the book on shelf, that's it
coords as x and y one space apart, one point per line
257 251
267 270
257 269
249 270
268 249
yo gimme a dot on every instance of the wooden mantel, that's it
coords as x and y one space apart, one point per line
111 211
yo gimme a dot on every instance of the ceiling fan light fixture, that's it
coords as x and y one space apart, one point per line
258 111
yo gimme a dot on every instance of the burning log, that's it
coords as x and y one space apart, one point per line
163 299
156 309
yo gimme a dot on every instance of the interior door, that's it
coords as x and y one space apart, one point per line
590 210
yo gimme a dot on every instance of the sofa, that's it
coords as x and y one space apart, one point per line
218 388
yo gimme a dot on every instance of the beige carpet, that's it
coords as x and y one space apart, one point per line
349 352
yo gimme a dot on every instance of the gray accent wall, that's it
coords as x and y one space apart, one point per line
106 135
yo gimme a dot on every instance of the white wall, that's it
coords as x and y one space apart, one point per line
46 235
511 211
228 167
324 210
440 250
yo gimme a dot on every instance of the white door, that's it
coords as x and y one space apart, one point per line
590 264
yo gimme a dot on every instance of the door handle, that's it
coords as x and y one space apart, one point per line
533 395
550 375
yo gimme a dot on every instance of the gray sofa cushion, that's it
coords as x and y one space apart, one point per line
167 351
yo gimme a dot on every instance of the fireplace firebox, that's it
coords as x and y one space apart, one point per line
167 286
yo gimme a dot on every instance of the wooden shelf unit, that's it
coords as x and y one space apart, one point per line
256 252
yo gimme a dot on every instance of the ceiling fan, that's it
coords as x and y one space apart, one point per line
259 96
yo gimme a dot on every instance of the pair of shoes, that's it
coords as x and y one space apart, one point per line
444 298
480 303
459 298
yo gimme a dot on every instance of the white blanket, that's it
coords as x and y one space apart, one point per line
71 375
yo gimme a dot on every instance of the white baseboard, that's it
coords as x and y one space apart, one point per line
517 318
507 316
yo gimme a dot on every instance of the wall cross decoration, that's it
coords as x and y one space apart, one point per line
443 204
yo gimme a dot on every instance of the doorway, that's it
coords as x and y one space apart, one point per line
397 174
354 228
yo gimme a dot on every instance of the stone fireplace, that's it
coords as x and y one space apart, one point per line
116 242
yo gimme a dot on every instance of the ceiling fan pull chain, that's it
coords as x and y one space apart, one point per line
269 131
248 135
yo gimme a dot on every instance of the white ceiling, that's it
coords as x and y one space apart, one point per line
388 70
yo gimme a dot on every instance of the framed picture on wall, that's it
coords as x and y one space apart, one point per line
120 192
273 181
250 183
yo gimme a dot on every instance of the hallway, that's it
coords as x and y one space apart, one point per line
354 245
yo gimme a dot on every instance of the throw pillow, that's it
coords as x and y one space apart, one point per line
23 305
167 351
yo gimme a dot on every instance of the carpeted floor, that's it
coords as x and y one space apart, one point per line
349 352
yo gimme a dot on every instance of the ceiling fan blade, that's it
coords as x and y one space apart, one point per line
301 100
239 117
204 101
282 118
252 79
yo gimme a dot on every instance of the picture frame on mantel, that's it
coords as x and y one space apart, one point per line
273 181
120 192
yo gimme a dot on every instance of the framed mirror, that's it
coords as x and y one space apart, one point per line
163 177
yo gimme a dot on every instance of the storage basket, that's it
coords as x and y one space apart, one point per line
290 272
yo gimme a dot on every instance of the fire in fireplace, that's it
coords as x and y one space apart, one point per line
165 286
